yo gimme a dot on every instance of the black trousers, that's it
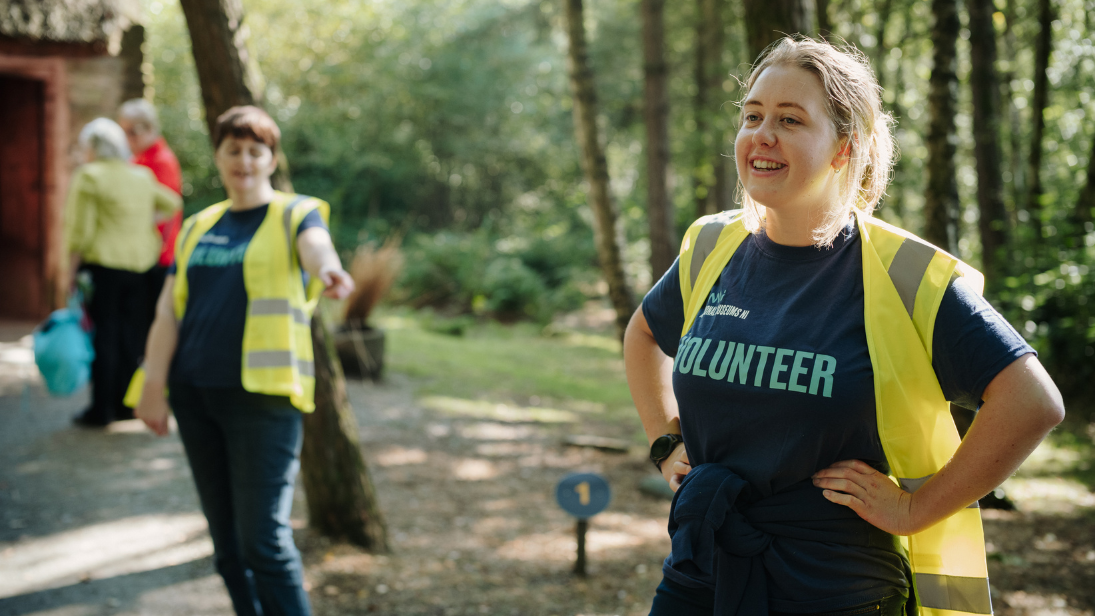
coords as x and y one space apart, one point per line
119 312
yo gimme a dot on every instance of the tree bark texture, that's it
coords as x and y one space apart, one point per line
339 491
659 208
227 74
767 21
1042 48
595 166
985 88
941 197
711 192
341 500
1017 194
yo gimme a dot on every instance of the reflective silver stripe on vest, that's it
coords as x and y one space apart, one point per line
280 359
907 269
912 485
266 307
951 592
705 243
306 368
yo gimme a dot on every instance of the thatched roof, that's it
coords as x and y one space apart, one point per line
68 21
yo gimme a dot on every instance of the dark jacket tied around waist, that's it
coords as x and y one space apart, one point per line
720 530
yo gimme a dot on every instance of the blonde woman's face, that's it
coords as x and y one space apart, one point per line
787 150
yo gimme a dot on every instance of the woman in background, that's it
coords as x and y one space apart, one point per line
232 342
110 227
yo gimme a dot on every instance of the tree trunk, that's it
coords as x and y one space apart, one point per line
341 500
710 170
767 21
941 198
1017 194
336 482
824 26
986 139
1043 48
880 42
595 167
656 111
227 74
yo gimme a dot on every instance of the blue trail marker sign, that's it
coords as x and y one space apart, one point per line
582 495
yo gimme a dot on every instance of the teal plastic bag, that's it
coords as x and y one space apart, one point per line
63 351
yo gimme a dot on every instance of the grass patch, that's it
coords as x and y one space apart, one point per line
570 370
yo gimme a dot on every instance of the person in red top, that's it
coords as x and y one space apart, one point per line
139 120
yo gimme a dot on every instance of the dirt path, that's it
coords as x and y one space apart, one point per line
107 522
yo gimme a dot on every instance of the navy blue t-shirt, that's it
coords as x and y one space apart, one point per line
210 348
774 381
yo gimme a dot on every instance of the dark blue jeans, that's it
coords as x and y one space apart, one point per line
244 452
673 599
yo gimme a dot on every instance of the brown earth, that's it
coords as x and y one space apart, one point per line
106 522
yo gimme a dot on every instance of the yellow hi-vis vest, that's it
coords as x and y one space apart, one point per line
277 337
904 279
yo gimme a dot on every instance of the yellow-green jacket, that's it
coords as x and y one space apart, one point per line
277 338
904 279
110 215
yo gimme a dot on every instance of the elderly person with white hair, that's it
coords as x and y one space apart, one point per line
110 229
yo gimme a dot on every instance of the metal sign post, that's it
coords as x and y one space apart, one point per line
582 495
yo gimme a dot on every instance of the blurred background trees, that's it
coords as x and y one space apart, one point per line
449 122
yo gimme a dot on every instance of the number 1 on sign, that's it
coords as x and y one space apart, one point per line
583 492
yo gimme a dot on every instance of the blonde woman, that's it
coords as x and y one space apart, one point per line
801 352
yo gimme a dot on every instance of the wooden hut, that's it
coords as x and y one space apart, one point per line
62 64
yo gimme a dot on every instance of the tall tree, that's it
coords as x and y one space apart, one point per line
656 114
824 26
336 483
884 12
1042 48
605 229
941 197
341 499
711 192
986 138
1017 193
227 74
766 21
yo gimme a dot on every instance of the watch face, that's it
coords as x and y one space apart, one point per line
663 446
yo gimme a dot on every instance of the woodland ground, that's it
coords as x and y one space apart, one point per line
107 522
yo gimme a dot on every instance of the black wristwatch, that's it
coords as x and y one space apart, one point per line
663 447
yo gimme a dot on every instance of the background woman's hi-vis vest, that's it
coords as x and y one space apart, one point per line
277 337
904 279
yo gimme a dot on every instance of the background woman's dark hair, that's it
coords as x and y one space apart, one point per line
247 121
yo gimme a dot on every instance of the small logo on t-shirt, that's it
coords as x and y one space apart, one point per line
715 307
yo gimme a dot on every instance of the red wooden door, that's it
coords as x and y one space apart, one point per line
22 275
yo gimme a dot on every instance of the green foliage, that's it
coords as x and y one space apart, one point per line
508 278
1055 310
